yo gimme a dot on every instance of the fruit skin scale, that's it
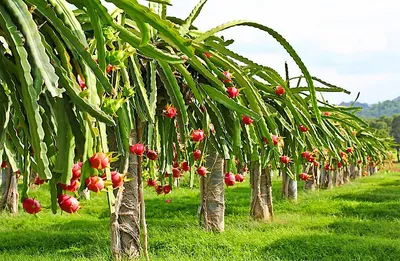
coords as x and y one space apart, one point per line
151 182
137 149
239 177
247 120
73 186
38 180
198 135
285 159
197 154
304 176
68 203
117 179
229 179
76 171
176 173
306 154
303 128
159 189
95 183
233 92
228 77
152 155
202 171
185 166
99 161
279 90
169 112
31 206
166 189
275 139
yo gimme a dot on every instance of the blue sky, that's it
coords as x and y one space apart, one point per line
351 43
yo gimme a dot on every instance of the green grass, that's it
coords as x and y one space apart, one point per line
359 221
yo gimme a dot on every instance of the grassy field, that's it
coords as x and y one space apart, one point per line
359 221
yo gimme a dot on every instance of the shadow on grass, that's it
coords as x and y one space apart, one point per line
375 195
367 228
236 199
157 208
394 183
78 238
331 247
383 211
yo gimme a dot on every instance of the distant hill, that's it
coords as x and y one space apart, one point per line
386 108
357 104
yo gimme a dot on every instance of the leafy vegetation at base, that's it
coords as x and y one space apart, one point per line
359 221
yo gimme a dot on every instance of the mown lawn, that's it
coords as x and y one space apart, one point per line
359 221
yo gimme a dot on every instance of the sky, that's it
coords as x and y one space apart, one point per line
354 44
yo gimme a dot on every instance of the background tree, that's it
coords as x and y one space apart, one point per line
395 132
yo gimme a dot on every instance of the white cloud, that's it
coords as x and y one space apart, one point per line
351 31
373 86
343 30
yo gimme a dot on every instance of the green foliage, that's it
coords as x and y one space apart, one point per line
395 129
381 128
154 62
28 92
386 127
386 108
359 221
137 38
